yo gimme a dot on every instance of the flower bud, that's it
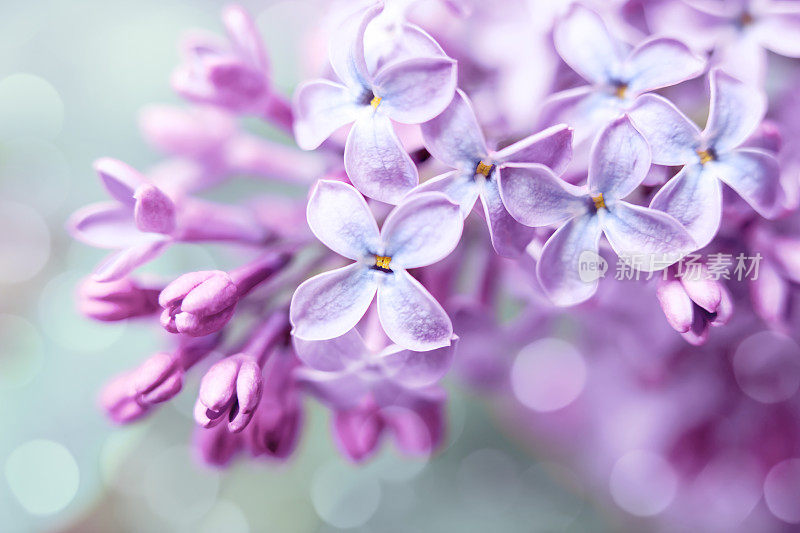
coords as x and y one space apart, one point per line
158 379
118 400
198 303
154 211
115 300
216 446
357 431
231 387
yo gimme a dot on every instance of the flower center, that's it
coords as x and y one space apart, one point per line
621 90
484 168
705 156
599 201
382 262
375 102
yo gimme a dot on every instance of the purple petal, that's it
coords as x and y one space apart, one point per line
770 294
357 432
661 62
417 369
422 230
105 225
340 218
558 268
651 239
340 390
198 325
119 179
375 160
454 137
320 108
211 296
694 198
123 262
154 211
346 48
583 41
459 186
218 386
249 385
244 37
536 197
410 316
416 90
551 148
755 175
398 43
676 304
780 32
736 111
333 354
330 304
620 160
673 138
509 237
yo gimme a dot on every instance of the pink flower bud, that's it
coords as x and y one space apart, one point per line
115 300
198 303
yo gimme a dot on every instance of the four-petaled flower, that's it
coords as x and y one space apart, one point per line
694 195
620 160
618 75
455 138
408 90
421 231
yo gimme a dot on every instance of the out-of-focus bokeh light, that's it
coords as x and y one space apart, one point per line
43 475
643 483
548 374
782 490
767 367
343 495
24 242
30 106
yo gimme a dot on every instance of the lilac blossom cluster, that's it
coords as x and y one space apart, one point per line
570 129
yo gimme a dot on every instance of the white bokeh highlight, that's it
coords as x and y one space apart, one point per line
548 375
767 367
43 476
643 483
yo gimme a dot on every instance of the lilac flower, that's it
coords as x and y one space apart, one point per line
617 74
739 31
408 91
116 300
233 75
417 426
620 160
199 303
455 138
143 221
232 387
694 302
694 195
343 371
138 223
132 394
208 147
421 231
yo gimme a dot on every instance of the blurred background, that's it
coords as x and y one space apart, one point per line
73 76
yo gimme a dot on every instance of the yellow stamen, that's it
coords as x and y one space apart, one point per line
376 101
598 201
621 91
381 261
705 156
484 169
